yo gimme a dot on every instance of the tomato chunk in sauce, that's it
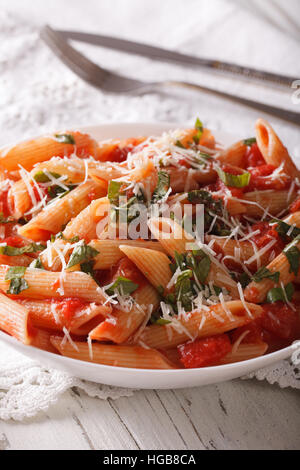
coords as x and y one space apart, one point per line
204 352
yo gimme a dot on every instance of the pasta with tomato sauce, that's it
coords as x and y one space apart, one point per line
153 252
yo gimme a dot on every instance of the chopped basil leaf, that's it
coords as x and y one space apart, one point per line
183 289
81 254
88 268
243 279
41 177
160 289
37 263
65 139
277 293
6 220
282 228
114 192
236 181
212 207
162 186
58 191
17 283
179 144
250 141
15 251
123 285
265 273
199 128
61 235
293 255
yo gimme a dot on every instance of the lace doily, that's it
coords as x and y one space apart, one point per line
39 93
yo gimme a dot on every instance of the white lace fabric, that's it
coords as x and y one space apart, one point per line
38 93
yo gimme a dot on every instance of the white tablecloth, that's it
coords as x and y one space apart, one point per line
38 93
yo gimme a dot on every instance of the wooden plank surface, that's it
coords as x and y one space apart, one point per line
233 415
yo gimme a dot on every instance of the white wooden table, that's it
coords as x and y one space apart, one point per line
233 415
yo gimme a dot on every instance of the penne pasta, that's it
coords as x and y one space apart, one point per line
54 315
267 202
245 352
273 149
119 356
14 319
122 324
53 217
155 265
44 148
235 154
217 321
110 252
156 252
45 284
257 291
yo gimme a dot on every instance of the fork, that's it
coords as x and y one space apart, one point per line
114 83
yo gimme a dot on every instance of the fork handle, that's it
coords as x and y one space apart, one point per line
284 114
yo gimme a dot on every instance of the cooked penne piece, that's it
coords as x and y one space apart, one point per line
25 193
174 239
116 150
53 217
41 340
112 355
267 202
170 235
234 155
200 324
186 179
257 291
84 225
237 252
45 284
54 314
110 252
273 149
155 265
122 324
19 260
245 352
14 319
43 148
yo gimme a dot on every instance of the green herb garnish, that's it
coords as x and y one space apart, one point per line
250 141
37 263
41 177
162 186
81 254
123 286
15 251
199 128
277 293
17 284
292 253
65 139
265 273
6 220
236 181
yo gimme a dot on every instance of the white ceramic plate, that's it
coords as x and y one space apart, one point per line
141 378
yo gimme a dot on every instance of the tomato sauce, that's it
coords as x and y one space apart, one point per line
260 181
278 326
267 233
204 352
253 157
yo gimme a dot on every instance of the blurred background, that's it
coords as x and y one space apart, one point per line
38 93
